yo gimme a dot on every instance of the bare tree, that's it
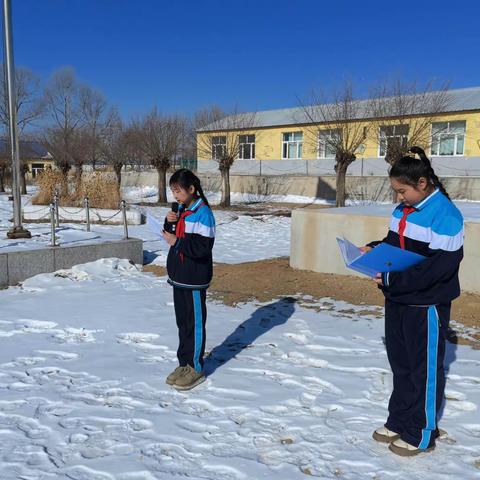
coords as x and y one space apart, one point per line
119 146
30 101
80 150
339 126
97 118
30 107
403 114
218 139
64 108
160 139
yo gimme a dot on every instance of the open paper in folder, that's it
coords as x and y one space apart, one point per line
382 258
154 224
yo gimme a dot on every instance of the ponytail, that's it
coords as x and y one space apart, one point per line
199 191
409 170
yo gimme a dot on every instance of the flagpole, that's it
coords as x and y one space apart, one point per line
17 231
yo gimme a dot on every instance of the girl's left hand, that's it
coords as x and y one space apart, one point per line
170 238
378 279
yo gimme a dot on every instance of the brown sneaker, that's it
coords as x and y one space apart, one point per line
384 435
173 377
189 379
404 449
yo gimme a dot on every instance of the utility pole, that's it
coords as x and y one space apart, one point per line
17 231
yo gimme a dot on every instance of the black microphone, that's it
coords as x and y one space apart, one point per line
175 207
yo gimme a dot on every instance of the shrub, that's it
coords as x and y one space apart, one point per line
100 187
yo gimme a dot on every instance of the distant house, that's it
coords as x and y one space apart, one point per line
34 154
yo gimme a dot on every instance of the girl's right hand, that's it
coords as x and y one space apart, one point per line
172 217
365 249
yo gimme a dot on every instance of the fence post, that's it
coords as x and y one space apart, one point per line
53 242
86 204
55 202
124 215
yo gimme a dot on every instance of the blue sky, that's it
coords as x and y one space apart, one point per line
181 55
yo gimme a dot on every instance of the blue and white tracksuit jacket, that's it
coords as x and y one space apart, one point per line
189 261
417 312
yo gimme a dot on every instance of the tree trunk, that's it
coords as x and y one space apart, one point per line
393 154
2 180
23 182
162 184
118 173
394 193
65 167
225 202
341 180
78 174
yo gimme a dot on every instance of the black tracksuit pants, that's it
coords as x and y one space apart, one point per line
415 339
191 315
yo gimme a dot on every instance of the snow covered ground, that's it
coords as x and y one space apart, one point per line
291 392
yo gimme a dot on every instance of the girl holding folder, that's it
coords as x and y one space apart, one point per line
417 303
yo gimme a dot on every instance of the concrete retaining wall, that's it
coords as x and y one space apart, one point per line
444 166
314 246
374 188
19 265
358 188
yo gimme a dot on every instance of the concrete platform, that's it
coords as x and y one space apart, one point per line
16 266
314 246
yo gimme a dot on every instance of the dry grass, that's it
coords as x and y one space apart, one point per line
49 181
100 187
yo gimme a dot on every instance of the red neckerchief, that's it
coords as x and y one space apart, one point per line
402 225
180 226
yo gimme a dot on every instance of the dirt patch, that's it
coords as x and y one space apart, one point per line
267 280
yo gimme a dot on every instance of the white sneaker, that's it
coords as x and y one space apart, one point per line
384 435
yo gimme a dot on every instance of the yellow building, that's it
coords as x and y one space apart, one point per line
286 141
32 154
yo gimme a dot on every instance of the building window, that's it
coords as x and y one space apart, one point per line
292 145
37 168
392 133
448 138
219 147
246 147
328 141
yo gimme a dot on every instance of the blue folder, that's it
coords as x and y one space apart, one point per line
382 258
